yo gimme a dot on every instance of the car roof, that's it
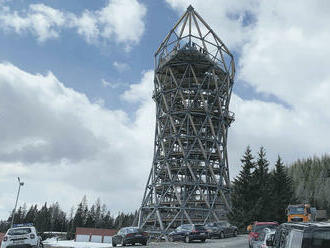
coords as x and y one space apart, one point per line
265 223
21 227
303 225
129 227
297 205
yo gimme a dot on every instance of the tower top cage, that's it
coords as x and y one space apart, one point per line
191 31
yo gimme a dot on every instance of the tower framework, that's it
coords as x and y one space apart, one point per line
189 179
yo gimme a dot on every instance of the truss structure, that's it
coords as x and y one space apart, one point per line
189 178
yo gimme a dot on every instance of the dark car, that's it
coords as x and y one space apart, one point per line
130 235
188 233
221 229
301 235
258 227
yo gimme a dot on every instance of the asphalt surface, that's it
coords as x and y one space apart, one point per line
237 242
240 241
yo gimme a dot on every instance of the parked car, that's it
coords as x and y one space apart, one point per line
221 229
260 242
257 229
301 235
188 233
1 237
130 235
21 235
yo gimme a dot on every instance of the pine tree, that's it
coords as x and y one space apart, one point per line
85 210
91 217
43 219
31 214
282 191
261 190
98 212
241 197
108 221
78 220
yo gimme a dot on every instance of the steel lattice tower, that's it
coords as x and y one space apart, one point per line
189 178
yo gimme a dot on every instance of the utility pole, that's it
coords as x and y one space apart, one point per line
14 210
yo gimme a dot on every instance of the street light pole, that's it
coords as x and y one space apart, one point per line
14 210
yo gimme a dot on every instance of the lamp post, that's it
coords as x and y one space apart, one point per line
14 210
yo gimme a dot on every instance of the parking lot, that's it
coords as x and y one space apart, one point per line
235 242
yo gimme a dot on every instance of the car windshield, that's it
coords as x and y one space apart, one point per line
259 228
321 239
199 227
19 231
262 236
222 223
132 230
296 210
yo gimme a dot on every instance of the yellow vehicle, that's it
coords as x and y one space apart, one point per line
299 213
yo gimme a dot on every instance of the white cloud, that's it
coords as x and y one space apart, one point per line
41 20
141 91
123 19
121 22
112 85
121 67
87 26
63 145
292 50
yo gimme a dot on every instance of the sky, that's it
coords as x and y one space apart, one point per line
76 81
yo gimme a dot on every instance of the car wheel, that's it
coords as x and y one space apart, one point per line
170 239
123 242
202 240
222 235
187 239
144 243
235 233
114 244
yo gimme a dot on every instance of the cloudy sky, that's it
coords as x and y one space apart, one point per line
76 79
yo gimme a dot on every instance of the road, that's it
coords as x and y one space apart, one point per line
238 242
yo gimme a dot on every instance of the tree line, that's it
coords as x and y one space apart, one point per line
311 179
258 193
53 218
261 194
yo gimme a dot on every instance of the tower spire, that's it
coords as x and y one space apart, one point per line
190 8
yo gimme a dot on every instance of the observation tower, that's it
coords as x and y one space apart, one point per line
189 178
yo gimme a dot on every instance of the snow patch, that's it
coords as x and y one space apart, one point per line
71 243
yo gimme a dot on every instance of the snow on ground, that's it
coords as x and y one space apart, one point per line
52 242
